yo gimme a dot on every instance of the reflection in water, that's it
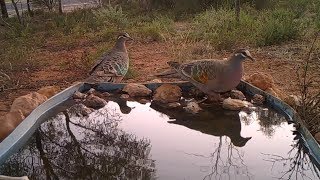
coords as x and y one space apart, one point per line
297 164
226 158
213 121
79 148
214 144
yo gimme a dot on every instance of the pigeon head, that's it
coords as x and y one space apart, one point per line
242 54
124 36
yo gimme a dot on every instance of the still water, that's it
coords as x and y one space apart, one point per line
143 141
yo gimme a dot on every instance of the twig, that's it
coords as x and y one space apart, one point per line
6 75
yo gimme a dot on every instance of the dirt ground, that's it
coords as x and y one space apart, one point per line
63 67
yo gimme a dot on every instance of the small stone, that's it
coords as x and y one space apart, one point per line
94 102
235 104
49 91
106 94
81 110
258 99
193 107
27 103
236 94
125 96
195 92
91 91
261 80
137 90
317 136
79 95
85 111
167 93
174 105
143 101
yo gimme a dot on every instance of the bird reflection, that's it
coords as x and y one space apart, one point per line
124 108
214 121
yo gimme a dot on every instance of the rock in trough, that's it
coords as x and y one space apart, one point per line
137 90
167 93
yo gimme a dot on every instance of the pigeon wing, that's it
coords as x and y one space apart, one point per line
110 65
202 71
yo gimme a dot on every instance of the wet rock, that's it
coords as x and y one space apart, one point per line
143 101
317 136
94 102
125 96
193 107
236 94
27 103
173 105
79 95
137 90
258 99
261 80
81 110
167 93
49 91
106 94
91 91
235 104
195 92
293 100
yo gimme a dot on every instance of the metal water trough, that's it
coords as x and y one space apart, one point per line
24 131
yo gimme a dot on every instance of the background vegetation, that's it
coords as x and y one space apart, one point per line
207 24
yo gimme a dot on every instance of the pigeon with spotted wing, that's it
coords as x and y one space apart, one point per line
112 66
214 76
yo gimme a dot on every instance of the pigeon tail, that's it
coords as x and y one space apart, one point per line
174 64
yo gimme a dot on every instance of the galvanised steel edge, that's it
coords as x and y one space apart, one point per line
26 128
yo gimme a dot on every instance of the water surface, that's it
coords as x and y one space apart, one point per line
136 141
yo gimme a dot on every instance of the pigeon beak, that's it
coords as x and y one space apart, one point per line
130 38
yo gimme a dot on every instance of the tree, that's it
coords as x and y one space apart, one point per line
29 8
60 7
237 8
50 4
4 11
14 3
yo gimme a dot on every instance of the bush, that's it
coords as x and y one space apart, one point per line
158 29
277 26
112 16
220 28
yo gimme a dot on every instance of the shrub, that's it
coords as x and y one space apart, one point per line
158 29
112 16
277 26
220 28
